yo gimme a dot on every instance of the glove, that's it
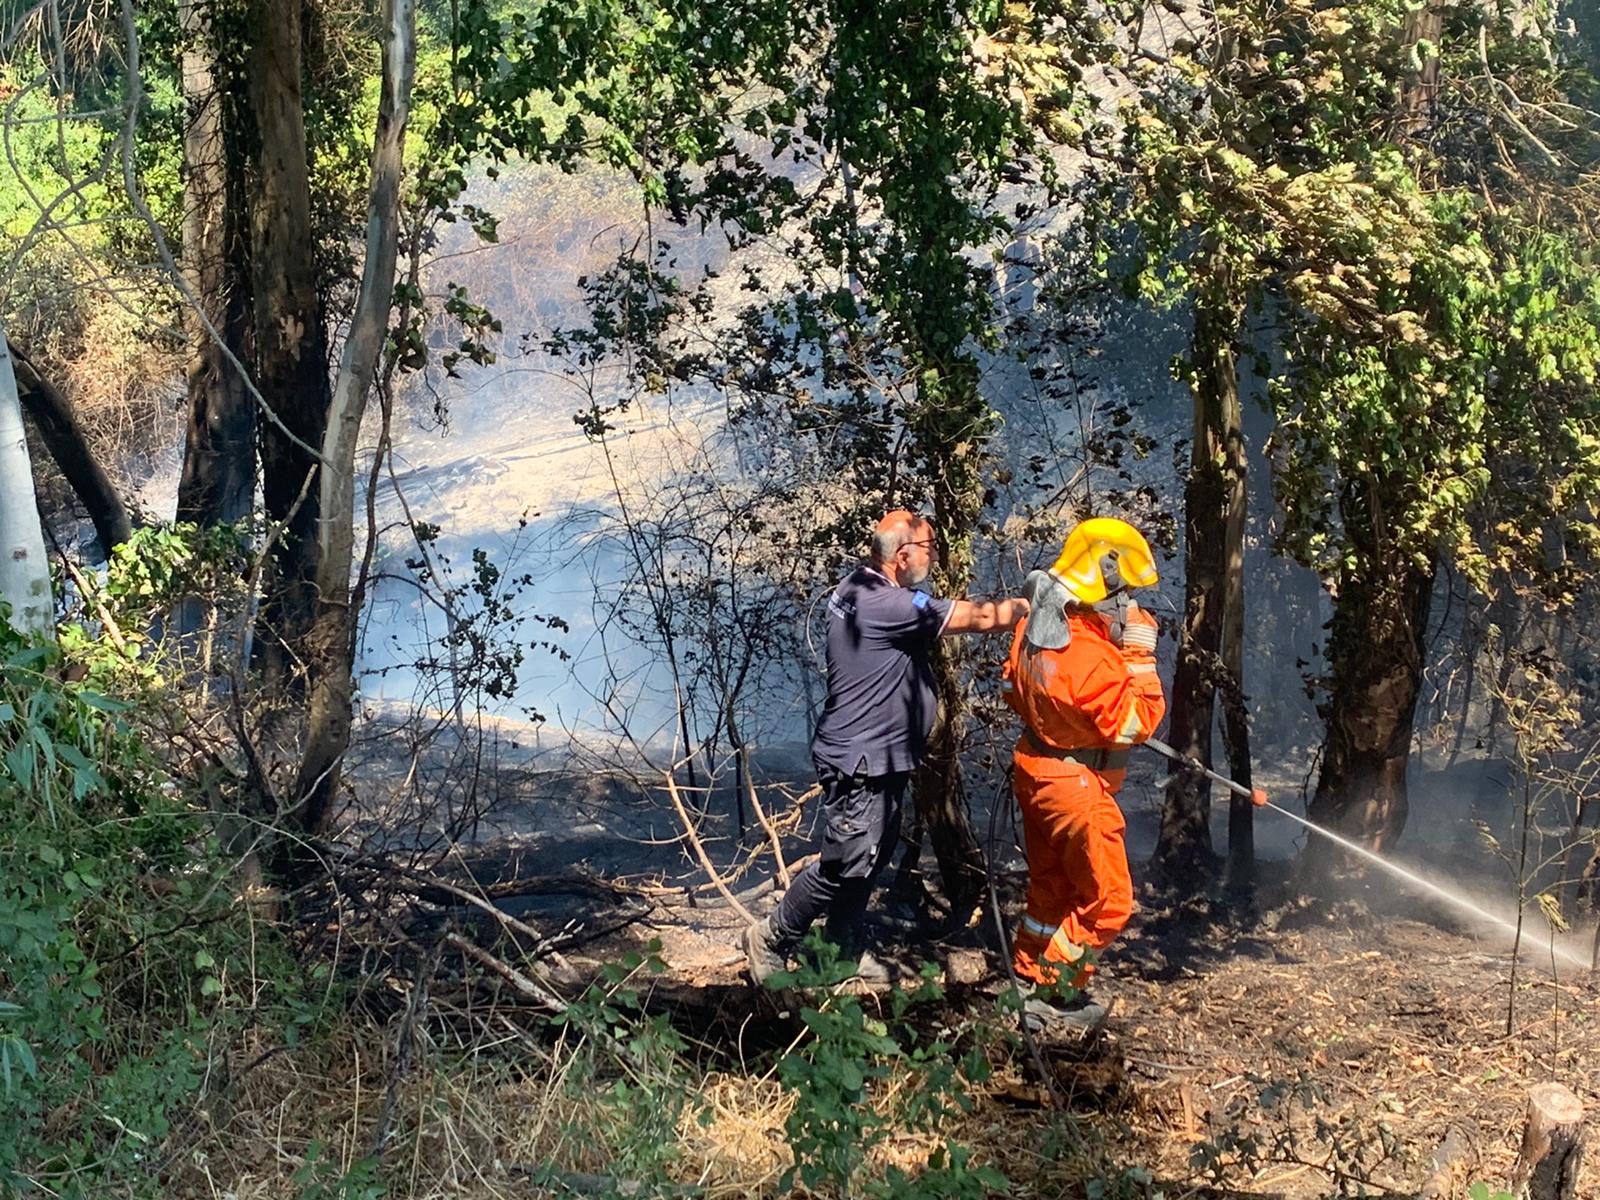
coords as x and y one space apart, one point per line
1139 634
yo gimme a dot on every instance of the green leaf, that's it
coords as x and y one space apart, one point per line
74 757
15 1049
103 703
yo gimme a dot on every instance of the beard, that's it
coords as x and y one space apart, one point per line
915 575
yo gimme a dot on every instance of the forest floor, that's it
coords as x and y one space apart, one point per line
1267 1044
1293 1051
1274 1045
1379 1036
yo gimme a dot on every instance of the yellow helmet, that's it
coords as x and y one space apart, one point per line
1082 567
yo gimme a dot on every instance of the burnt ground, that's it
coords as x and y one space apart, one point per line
1270 1044
1341 1038
1280 1045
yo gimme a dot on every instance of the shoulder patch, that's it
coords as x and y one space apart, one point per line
920 599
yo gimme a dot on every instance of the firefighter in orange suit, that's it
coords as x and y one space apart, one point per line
1082 675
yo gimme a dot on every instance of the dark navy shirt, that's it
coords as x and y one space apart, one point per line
881 695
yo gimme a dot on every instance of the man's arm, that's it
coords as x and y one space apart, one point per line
984 616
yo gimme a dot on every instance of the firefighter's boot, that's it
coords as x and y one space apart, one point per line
763 957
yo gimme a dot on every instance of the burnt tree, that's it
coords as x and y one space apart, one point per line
291 342
1213 624
218 479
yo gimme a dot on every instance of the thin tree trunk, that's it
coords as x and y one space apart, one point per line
937 793
290 330
937 787
1212 494
63 437
1375 656
218 480
24 570
1235 715
332 641
1419 91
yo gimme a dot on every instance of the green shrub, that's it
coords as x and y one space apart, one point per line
120 944
627 1077
834 1124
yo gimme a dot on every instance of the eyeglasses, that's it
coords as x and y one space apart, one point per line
919 542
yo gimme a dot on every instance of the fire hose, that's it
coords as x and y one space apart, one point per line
1256 795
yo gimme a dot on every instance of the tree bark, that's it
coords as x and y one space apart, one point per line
24 570
1375 654
218 481
332 641
63 437
936 790
1420 89
290 331
1213 553
1235 714
1551 1158
957 499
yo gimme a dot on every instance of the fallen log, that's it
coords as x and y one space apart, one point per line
1446 1167
1552 1145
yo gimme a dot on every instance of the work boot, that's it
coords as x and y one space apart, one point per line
762 954
1079 1014
872 970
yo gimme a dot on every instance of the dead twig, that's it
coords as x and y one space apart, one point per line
700 851
418 880
527 987
761 816
405 1046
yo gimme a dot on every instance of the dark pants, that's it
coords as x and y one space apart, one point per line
861 816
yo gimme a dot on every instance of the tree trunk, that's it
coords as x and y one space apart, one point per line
218 481
1551 1158
290 334
936 786
1235 714
1213 548
332 643
1375 656
1420 89
64 438
24 570
937 792
944 424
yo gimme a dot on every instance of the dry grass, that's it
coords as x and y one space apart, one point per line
471 1116
494 1090
124 385
741 1149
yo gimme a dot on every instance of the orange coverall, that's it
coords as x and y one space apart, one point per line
1092 697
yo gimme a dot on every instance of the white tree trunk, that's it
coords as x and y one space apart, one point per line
369 325
332 641
24 570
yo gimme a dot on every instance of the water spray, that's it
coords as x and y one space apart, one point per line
1260 799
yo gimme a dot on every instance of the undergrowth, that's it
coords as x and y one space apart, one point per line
125 962
158 1038
161 1037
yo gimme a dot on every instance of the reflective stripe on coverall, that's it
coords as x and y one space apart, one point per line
1088 696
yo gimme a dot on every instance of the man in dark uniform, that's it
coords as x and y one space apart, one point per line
882 701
